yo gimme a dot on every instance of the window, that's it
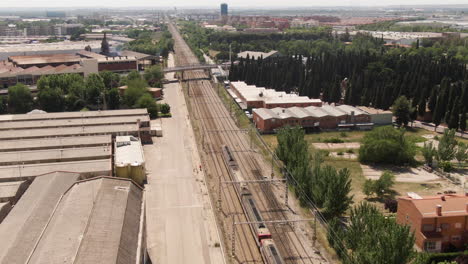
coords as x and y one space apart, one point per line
456 238
445 226
458 225
428 227
429 245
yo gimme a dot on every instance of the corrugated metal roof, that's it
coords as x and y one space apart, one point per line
23 226
104 213
348 109
68 115
333 110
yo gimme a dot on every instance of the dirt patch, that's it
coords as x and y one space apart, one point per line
401 174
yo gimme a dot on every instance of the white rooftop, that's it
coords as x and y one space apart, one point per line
128 150
269 96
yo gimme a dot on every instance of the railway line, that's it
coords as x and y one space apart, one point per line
217 128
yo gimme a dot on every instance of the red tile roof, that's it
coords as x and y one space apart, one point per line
452 205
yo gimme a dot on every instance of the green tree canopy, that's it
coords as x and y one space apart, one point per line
20 99
401 110
154 76
148 102
136 88
387 145
447 143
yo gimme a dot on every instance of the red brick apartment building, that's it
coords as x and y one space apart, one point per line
439 222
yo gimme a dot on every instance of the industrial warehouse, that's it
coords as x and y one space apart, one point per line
272 110
104 212
251 96
55 186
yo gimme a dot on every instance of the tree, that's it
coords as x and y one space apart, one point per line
380 187
384 184
453 121
94 90
51 100
373 238
401 110
165 108
447 143
146 101
136 88
462 153
154 76
114 98
133 75
429 152
3 105
387 145
463 120
110 79
337 196
20 100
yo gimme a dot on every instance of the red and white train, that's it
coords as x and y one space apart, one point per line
263 236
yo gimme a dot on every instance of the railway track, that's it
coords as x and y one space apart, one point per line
217 128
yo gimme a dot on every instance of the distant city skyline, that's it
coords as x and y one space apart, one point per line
215 3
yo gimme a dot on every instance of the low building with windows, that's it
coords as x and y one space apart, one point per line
325 117
440 223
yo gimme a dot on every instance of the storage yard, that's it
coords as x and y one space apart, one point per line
215 128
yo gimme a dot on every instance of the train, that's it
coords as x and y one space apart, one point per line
262 233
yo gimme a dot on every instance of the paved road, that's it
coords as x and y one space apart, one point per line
180 222
440 129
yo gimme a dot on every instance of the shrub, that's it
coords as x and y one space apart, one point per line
165 108
446 166
350 151
343 134
333 140
340 153
387 145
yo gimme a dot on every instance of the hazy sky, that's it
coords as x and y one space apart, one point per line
214 3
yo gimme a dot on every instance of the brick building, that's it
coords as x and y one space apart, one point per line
310 118
440 223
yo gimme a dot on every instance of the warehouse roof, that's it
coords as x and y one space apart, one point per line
348 109
128 150
269 96
96 221
22 172
300 112
137 55
44 59
55 155
69 115
257 54
56 46
333 110
68 131
374 111
107 120
55 142
103 58
23 226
